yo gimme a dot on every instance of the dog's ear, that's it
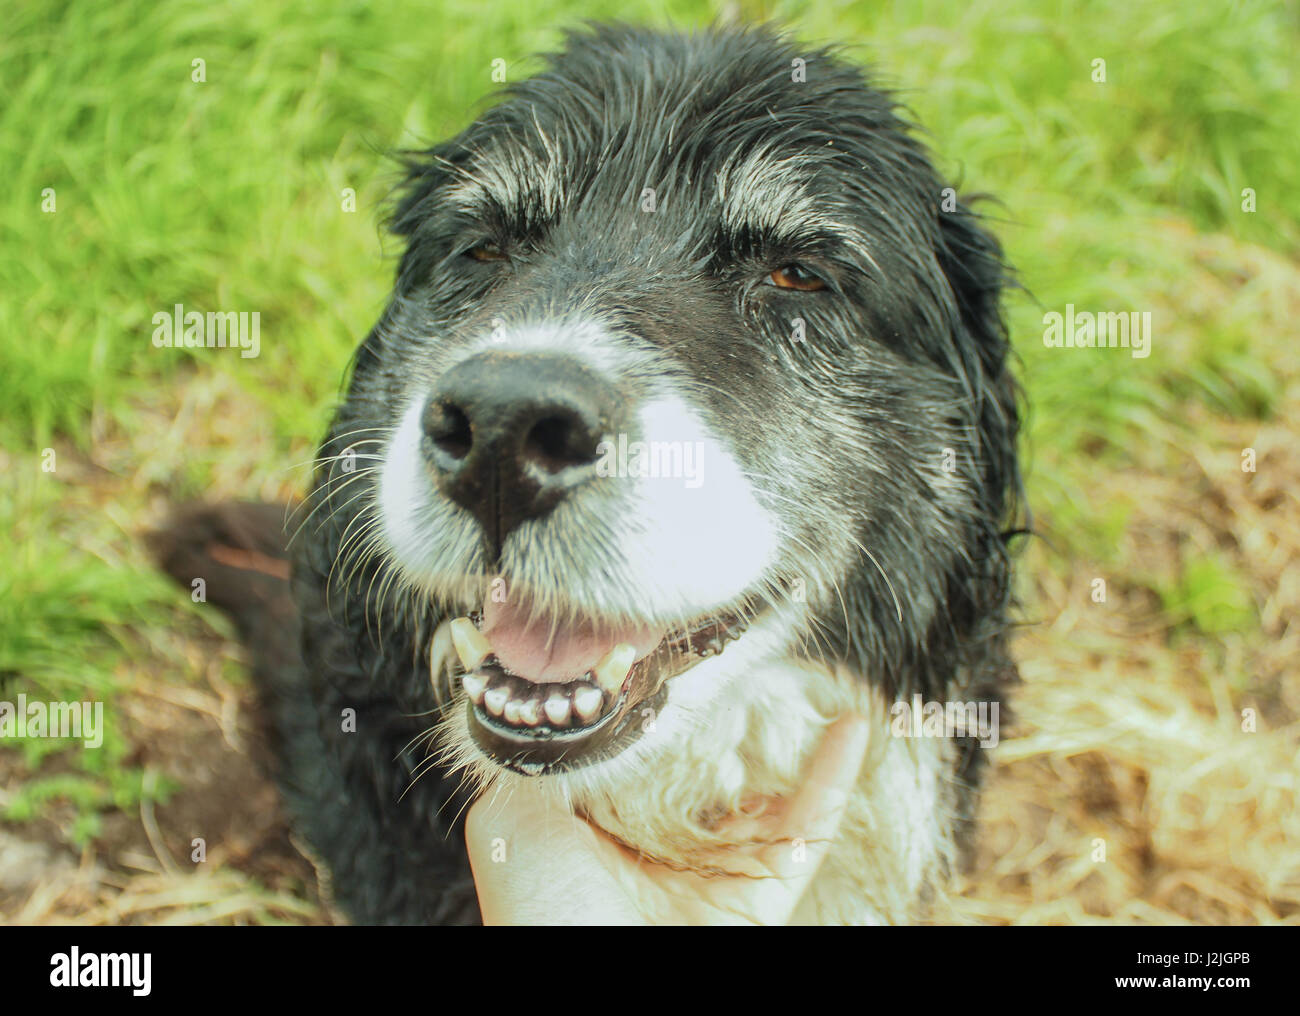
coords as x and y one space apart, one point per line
425 173
412 213
972 260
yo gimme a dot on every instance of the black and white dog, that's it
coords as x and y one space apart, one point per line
688 427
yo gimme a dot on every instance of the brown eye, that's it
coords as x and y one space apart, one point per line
796 276
487 251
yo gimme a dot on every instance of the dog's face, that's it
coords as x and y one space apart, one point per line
692 360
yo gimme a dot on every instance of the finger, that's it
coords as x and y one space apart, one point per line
812 822
535 863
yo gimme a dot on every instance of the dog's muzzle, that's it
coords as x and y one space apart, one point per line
508 436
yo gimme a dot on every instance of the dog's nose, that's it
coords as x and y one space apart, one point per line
509 435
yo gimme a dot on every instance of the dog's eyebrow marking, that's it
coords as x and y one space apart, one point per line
510 175
761 192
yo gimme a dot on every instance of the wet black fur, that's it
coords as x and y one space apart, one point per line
927 313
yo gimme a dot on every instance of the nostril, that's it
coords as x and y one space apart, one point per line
557 442
447 426
507 436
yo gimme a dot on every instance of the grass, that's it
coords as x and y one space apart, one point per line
228 193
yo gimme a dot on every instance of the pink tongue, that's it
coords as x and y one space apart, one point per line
544 653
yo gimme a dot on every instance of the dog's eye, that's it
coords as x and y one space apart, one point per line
795 276
486 251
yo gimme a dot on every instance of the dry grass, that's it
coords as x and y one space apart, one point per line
1130 724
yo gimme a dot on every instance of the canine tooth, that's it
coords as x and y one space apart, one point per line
557 711
495 699
587 701
530 712
474 686
440 652
612 670
471 646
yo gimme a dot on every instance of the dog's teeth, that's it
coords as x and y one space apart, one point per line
587 701
440 651
471 646
530 712
495 699
557 711
474 686
511 712
611 672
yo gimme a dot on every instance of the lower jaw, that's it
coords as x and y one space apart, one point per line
551 753
547 750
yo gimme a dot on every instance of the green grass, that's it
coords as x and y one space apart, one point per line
227 194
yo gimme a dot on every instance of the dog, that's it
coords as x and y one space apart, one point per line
690 425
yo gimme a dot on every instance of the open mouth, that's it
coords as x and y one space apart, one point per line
544 697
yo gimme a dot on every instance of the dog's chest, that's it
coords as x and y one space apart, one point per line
721 749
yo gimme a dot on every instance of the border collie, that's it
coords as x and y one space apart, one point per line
688 427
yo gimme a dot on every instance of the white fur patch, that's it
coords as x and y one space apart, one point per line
671 547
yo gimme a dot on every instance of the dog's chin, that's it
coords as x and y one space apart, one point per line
545 695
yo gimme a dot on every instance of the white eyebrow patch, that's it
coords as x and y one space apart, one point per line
761 191
513 176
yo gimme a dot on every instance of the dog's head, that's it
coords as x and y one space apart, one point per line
692 357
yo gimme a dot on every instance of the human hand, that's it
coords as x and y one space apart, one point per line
560 869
